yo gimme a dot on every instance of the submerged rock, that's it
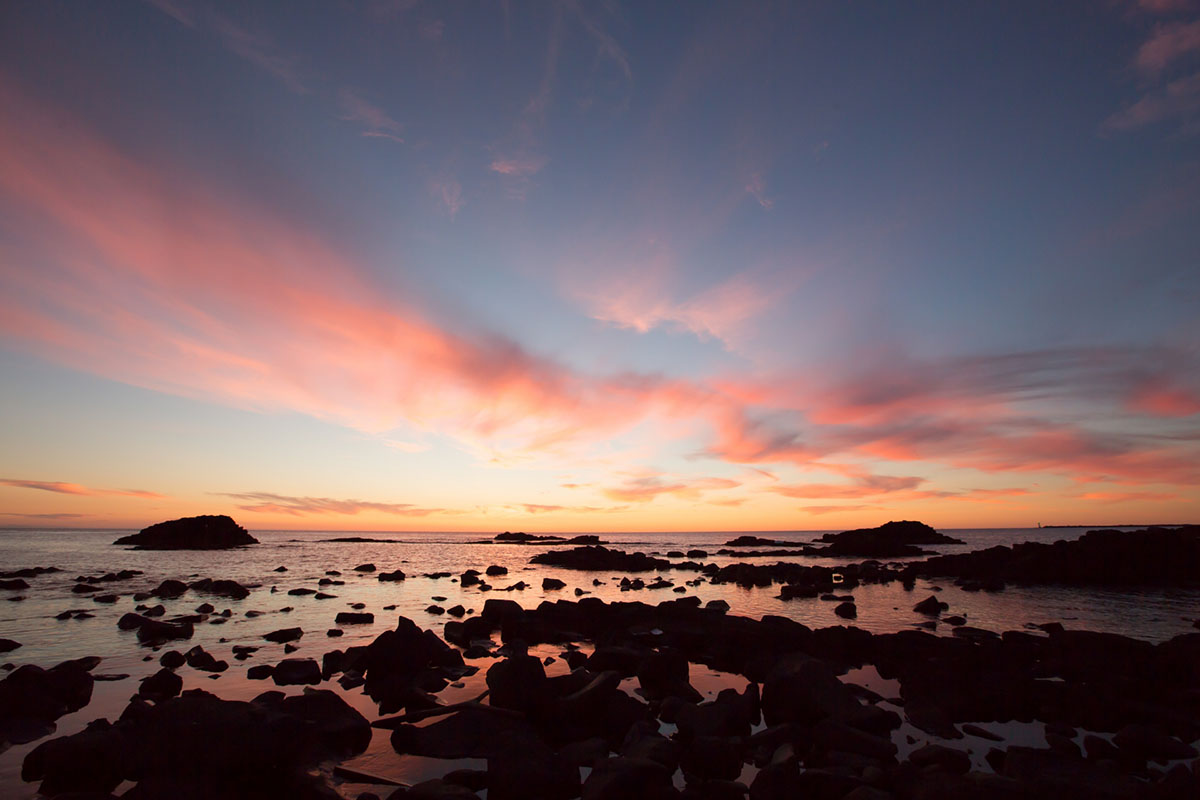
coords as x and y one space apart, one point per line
208 532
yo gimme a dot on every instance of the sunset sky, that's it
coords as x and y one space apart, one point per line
575 266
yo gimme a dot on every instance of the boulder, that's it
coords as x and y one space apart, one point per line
293 671
284 635
353 618
209 532
621 778
160 686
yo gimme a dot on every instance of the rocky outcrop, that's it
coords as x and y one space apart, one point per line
32 698
197 745
601 559
208 532
890 540
1149 557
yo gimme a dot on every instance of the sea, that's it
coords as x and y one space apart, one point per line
28 616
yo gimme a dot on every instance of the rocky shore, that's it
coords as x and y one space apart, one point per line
600 699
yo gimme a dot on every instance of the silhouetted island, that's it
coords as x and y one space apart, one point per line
890 540
207 532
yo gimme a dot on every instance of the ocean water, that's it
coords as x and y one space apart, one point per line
1153 615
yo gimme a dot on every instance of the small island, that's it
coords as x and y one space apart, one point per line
206 532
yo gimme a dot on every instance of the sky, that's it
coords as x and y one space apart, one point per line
587 266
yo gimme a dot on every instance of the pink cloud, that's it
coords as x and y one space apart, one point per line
375 121
756 187
518 166
60 487
269 503
645 489
1168 44
448 193
1178 99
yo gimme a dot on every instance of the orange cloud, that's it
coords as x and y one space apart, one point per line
645 489
1168 44
269 503
60 487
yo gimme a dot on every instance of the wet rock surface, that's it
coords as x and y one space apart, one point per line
209 532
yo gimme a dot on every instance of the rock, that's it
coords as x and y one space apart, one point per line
456 611
717 605
597 558
169 588
942 757
260 672
1147 742
394 575
205 608
333 633
32 698
284 635
221 588
436 789
365 568
890 540
151 631
495 569
518 683
846 610
931 606
199 658
1047 774
199 746
622 778
805 690
352 618
8 645
1149 557
162 685
291 671
191 533
550 584
13 585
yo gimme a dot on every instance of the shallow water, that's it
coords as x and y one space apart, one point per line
1153 615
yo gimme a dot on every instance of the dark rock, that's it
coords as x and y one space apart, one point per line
550 584
260 672
456 611
1147 742
14 585
201 659
365 568
191 533
394 575
890 540
291 671
169 588
284 635
495 569
8 645
518 683
221 588
162 685
931 606
597 558
205 608
32 698
622 778
352 618
1149 557
846 610
945 758
434 609
1043 773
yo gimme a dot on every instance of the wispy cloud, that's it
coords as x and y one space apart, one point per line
1168 45
42 516
60 487
520 166
448 193
835 509
270 503
756 187
259 50
375 121
645 489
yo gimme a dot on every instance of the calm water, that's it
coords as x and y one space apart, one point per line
1151 615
